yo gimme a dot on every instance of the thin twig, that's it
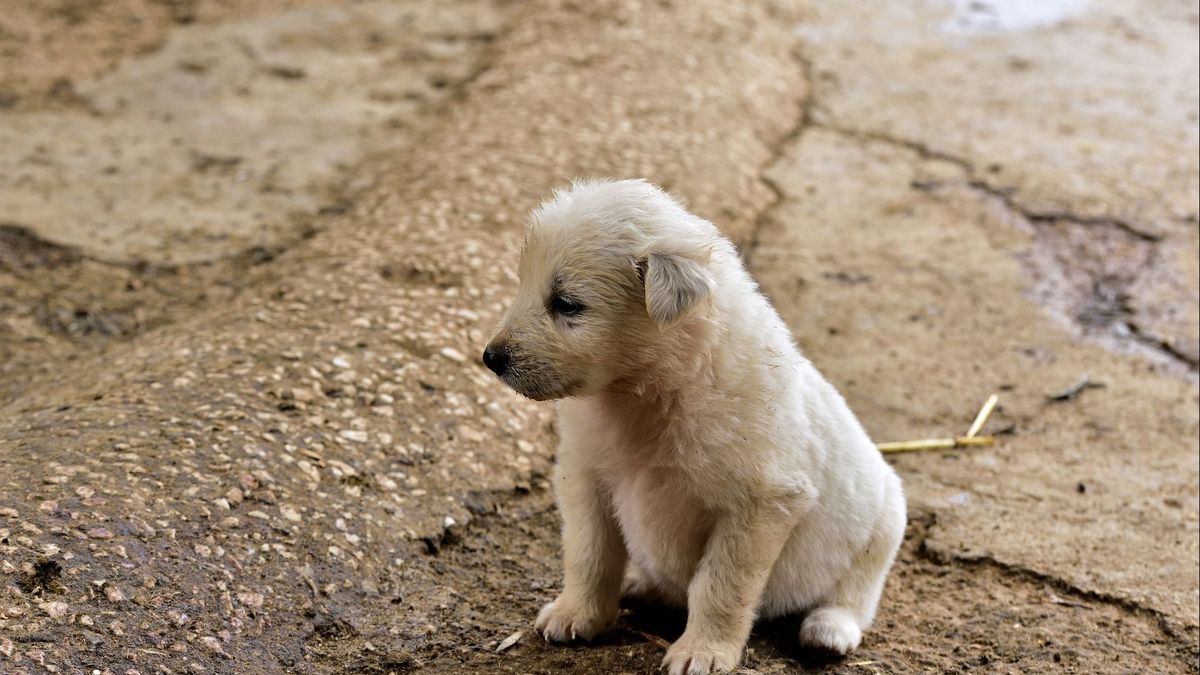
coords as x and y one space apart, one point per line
984 413
653 639
937 444
1069 394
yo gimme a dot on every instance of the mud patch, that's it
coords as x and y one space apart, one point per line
236 136
1087 276
163 186
22 251
45 45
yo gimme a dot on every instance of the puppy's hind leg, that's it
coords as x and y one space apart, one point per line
837 623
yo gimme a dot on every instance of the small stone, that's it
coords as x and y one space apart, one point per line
290 513
453 354
354 435
56 610
114 594
100 533
9 513
340 362
143 528
234 496
251 599
214 645
7 647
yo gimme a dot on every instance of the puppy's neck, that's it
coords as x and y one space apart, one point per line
670 366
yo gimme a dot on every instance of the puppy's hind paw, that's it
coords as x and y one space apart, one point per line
830 629
566 620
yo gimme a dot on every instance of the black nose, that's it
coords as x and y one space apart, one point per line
496 359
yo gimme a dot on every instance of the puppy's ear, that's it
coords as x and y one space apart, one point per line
674 286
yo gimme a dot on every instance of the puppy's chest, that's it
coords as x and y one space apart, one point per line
665 526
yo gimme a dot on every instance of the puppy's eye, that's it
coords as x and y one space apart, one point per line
564 306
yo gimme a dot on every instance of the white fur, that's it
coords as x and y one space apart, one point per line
703 459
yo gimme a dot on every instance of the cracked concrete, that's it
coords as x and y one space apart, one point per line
303 470
921 232
1082 256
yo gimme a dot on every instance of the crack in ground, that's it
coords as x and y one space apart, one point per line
1088 292
1004 195
929 520
802 122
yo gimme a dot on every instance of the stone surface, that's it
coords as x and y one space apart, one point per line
285 459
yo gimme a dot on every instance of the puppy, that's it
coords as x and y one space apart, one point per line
703 460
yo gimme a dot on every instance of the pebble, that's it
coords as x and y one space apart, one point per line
56 610
340 362
453 354
251 599
354 435
214 645
100 533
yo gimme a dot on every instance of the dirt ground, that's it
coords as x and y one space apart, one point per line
249 250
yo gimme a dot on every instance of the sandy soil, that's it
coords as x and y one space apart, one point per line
249 250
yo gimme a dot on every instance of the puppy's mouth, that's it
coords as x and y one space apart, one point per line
537 388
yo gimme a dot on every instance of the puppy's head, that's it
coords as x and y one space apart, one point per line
609 271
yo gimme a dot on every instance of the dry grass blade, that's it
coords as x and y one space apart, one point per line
653 639
936 444
970 440
984 413
509 642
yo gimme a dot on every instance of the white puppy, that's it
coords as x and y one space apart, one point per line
697 443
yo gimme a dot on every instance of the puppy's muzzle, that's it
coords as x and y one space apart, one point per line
496 358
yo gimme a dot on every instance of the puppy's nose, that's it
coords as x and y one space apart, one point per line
496 359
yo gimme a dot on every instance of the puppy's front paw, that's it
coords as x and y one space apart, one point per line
690 656
567 619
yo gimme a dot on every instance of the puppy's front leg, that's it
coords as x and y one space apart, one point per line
593 559
727 588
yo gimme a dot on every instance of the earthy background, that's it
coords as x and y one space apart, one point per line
250 250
